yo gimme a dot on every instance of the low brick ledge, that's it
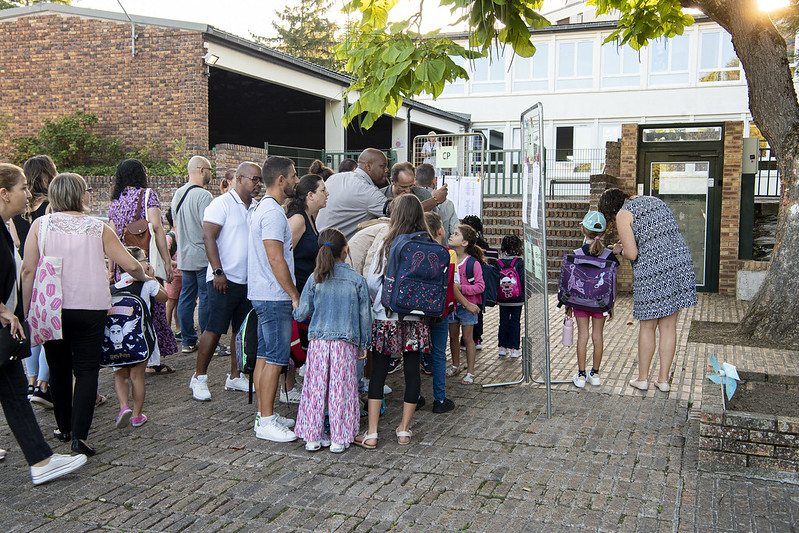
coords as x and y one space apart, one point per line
733 440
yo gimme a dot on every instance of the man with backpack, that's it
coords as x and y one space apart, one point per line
188 205
226 229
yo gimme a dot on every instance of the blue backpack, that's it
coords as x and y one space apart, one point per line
490 280
417 276
129 336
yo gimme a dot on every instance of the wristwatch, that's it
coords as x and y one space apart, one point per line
218 272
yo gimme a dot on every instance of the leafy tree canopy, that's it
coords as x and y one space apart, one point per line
6 4
304 31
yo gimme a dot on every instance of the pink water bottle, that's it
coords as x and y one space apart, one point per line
568 331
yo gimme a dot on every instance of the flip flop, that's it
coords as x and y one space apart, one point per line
364 438
100 400
159 369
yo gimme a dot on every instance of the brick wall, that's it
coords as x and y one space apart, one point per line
628 166
53 65
230 155
730 207
613 158
746 439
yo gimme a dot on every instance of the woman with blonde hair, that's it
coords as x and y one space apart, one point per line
82 242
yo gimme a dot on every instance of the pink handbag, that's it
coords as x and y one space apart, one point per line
44 315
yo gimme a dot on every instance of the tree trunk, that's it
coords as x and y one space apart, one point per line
774 313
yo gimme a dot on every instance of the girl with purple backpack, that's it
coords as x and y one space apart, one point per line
593 227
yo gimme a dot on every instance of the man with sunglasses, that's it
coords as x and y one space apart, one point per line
188 205
226 230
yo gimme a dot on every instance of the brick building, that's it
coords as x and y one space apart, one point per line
154 81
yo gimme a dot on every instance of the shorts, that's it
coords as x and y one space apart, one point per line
173 289
462 316
274 330
231 307
578 313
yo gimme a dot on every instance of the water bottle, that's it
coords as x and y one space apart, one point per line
568 331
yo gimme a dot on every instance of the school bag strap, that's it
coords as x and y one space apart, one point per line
470 261
185 194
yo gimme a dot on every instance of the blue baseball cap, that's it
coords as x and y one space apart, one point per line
594 221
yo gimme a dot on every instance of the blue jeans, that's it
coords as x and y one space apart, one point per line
510 326
36 365
193 284
274 331
439 332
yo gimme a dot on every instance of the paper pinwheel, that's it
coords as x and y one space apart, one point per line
726 375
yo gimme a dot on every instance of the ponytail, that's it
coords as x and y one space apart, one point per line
470 236
331 247
596 246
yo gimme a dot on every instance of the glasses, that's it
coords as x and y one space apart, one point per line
89 190
205 168
255 179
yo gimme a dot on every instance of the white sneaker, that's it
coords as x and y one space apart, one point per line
257 422
316 445
293 395
58 466
199 388
515 352
338 448
287 423
593 379
275 432
241 383
503 351
579 381
387 389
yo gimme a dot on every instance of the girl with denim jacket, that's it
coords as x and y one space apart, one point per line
336 299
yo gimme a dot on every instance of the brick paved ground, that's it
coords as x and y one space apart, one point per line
609 459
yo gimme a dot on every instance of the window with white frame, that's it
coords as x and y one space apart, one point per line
488 74
575 65
669 61
717 59
459 86
530 73
621 66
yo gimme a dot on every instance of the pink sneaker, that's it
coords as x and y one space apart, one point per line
137 421
123 418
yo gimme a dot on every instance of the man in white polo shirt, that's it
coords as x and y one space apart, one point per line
226 230
272 291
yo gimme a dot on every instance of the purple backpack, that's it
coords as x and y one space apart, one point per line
417 276
588 283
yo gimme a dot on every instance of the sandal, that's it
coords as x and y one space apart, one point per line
468 379
159 369
364 438
453 371
404 435
100 400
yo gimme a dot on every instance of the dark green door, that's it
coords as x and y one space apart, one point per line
690 184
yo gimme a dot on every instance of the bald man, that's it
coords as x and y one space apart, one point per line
188 205
356 197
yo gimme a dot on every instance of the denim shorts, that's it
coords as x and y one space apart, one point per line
226 309
274 331
462 316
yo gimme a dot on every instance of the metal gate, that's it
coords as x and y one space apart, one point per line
459 160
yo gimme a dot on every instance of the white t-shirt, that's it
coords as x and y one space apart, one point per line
148 290
230 212
268 222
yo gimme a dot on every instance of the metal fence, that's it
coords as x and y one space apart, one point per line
767 180
334 159
567 173
302 157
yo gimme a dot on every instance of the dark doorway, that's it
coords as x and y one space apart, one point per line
378 136
251 112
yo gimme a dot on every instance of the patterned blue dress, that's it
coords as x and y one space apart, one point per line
663 275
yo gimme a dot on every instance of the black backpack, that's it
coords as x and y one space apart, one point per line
490 279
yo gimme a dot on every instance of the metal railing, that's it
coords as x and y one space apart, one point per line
567 173
767 180
334 159
302 157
